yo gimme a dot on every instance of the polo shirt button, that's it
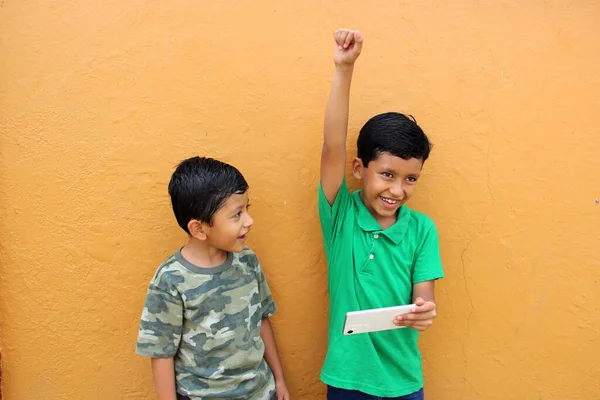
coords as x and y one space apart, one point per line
376 236
372 256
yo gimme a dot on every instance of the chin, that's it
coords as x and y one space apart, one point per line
237 248
387 212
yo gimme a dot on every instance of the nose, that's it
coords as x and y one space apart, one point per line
397 190
249 221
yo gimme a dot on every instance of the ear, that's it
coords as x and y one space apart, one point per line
357 168
197 229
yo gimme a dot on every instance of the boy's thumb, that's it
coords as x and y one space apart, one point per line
358 40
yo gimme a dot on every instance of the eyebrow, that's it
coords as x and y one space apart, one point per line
242 205
392 171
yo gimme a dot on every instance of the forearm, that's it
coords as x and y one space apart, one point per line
271 354
163 371
424 290
336 114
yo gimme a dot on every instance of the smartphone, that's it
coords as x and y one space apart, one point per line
377 319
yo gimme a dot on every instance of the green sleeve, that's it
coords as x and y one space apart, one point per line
428 264
332 216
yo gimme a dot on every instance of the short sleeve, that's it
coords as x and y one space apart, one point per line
162 319
267 304
428 264
332 215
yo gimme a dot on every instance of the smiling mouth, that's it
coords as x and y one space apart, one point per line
389 201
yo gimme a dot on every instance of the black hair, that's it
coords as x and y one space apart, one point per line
200 186
392 133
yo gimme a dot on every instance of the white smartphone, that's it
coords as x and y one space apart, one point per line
377 319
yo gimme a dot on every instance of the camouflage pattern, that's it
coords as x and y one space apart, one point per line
209 320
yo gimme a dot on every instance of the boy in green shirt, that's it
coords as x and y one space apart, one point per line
380 253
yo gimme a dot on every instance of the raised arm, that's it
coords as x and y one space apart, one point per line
348 45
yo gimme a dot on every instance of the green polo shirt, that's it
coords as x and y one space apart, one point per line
370 268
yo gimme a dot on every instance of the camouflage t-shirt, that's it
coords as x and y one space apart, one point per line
208 320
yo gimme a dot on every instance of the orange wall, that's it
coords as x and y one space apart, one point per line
100 100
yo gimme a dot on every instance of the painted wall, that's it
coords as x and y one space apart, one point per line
100 100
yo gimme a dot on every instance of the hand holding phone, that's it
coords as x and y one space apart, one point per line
374 320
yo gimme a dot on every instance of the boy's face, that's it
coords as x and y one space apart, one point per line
387 183
231 224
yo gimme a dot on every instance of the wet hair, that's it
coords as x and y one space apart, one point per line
200 186
392 133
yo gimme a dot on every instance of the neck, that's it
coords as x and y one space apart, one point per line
385 222
202 254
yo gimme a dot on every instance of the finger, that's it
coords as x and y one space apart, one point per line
422 326
411 324
343 34
337 36
344 38
402 317
426 307
420 316
419 328
418 325
416 316
349 39
358 37
403 321
358 41
410 316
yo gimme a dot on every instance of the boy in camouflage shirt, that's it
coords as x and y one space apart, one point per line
205 322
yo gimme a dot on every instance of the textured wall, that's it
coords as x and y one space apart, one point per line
100 100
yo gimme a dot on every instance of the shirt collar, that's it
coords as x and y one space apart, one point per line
368 223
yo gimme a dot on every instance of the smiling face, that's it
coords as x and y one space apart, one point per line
387 182
230 225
